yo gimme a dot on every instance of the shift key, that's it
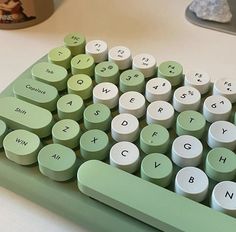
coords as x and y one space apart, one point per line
18 114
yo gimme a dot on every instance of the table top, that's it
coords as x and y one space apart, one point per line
152 26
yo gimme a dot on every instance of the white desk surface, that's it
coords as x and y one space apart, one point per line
157 27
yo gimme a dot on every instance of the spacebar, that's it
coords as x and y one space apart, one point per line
147 202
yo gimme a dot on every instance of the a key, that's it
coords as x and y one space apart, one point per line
3 131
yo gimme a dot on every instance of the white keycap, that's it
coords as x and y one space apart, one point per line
125 127
222 134
125 155
186 98
216 108
97 49
226 87
160 112
198 80
158 89
186 151
121 56
106 93
133 103
146 64
192 182
224 197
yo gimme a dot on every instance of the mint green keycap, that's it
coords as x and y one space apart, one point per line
70 106
22 147
66 132
37 93
51 74
81 85
221 164
157 168
148 202
97 116
190 122
57 162
19 114
94 144
83 64
107 72
3 131
60 56
75 42
154 138
172 71
132 80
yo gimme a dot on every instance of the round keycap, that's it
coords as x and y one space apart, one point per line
22 147
186 98
198 80
186 151
81 85
66 132
70 106
226 87
223 197
160 112
157 168
133 103
146 64
107 94
221 164
107 72
216 108
125 155
97 116
57 162
154 138
121 56
132 80
3 131
190 123
222 134
97 49
60 56
125 127
82 64
158 89
172 71
75 42
94 144
192 182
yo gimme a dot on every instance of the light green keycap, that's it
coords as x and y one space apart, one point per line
22 147
132 80
70 106
60 56
94 144
66 132
190 122
81 85
97 116
57 162
154 138
75 42
221 164
126 193
37 93
172 71
157 168
3 131
107 72
51 74
83 64
19 114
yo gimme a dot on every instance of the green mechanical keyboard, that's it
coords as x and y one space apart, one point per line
115 143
